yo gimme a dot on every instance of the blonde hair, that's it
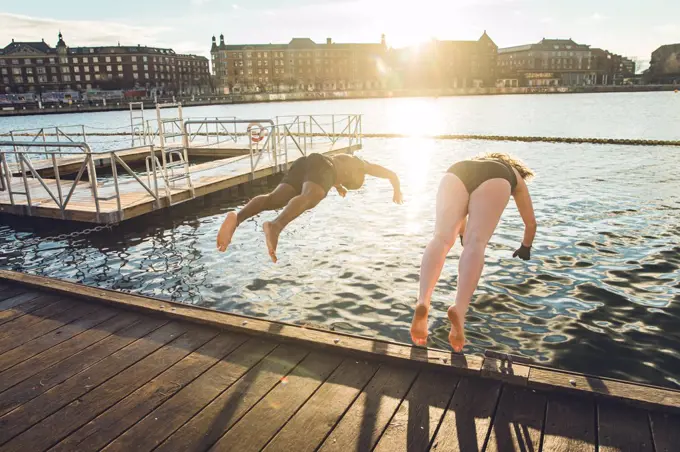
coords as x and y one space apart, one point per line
509 160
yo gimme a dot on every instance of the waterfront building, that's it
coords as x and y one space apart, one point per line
611 69
36 67
300 65
446 64
664 68
550 62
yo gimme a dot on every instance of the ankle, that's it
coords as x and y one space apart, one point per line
458 310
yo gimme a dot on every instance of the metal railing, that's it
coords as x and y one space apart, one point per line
59 190
32 168
326 128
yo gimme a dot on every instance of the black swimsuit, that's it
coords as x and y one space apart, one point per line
315 168
474 173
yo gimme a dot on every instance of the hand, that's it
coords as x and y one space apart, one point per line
524 253
398 197
342 191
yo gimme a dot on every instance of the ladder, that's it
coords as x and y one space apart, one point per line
137 124
177 129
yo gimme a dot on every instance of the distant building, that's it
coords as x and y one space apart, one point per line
551 62
300 65
664 67
37 67
611 69
447 64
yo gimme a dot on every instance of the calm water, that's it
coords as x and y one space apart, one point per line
601 294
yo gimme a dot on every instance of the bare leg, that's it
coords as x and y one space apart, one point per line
311 195
452 201
486 206
272 201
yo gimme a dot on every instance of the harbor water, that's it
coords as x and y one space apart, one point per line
601 294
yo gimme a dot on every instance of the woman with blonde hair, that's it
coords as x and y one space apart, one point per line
477 190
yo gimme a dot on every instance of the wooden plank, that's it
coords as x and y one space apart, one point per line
569 424
641 395
24 308
111 423
171 415
16 298
665 431
623 428
24 323
37 408
361 427
219 416
90 404
363 348
324 409
260 424
42 343
468 418
518 422
512 373
70 349
416 421
39 325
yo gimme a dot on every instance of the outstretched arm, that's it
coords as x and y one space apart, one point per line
379 171
526 211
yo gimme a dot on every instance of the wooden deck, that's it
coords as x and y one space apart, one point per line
134 156
89 369
206 178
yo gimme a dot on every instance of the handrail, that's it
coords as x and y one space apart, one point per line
22 162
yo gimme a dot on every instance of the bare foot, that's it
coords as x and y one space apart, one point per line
457 334
419 325
271 235
227 231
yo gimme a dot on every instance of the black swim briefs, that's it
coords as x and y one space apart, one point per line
315 168
474 173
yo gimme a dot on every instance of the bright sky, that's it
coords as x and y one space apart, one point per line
628 27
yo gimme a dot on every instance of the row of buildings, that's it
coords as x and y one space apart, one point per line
303 65
38 67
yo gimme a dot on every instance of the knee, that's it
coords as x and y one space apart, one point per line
444 240
472 242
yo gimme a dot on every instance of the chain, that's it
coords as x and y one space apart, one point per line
57 238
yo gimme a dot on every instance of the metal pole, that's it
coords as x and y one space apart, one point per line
92 176
161 137
2 173
349 130
154 169
285 145
23 176
44 140
8 177
333 140
252 168
58 179
185 145
56 132
304 128
311 131
361 130
114 174
132 126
